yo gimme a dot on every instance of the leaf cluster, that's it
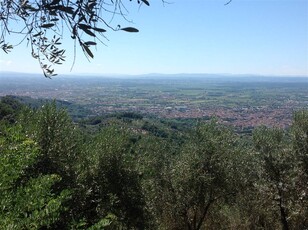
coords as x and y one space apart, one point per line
44 24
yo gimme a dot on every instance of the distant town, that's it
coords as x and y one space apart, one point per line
243 102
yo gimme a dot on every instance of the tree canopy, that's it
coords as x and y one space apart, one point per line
59 174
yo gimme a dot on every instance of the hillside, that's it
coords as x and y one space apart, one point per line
129 171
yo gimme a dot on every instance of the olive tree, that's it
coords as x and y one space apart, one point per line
109 183
283 180
299 132
202 174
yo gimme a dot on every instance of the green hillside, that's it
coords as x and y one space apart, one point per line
131 171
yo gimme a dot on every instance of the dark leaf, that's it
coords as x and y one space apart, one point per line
99 30
146 2
130 29
69 10
48 25
88 51
84 26
38 34
90 43
86 29
89 32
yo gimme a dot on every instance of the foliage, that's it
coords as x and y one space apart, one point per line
120 176
110 180
152 128
57 139
44 24
130 115
299 140
9 108
280 180
26 203
154 157
203 174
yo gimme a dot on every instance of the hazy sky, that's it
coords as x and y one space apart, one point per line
267 37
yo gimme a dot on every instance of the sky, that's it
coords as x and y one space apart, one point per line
262 37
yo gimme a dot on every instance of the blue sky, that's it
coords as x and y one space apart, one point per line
265 37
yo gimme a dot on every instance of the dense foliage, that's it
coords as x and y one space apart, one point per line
132 173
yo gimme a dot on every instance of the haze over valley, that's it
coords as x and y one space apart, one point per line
241 101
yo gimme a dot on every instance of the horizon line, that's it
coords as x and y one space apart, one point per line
159 74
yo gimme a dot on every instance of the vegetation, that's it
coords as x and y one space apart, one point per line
44 24
9 108
56 174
